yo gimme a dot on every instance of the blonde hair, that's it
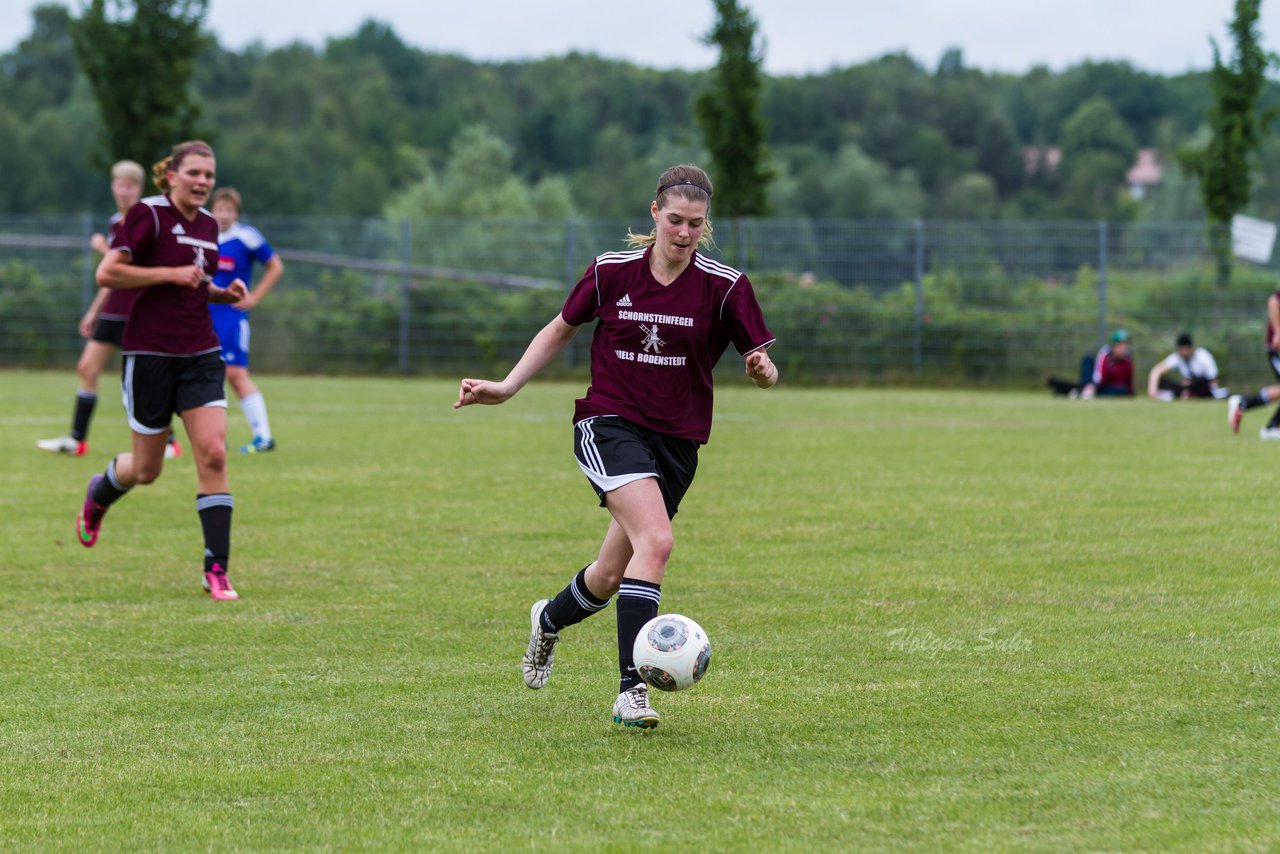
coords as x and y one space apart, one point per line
129 169
225 194
174 161
688 182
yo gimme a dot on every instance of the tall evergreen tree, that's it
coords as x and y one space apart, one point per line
1225 165
138 56
730 115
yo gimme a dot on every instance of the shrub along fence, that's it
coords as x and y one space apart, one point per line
934 303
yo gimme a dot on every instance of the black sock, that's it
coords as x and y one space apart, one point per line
1255 399
572 605
215 518
637 604
85 402
1275 419
109 490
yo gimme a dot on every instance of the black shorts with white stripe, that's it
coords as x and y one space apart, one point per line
157 387
613 452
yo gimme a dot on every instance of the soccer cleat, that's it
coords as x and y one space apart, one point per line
632 708
89 522
259 446
1269 434
541 653
172 449
64 445
1235 411
218 585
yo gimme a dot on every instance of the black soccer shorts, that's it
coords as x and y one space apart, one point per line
613 452
157 387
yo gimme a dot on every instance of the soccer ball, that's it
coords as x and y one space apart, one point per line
672 652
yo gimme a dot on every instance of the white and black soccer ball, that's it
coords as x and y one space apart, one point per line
672 652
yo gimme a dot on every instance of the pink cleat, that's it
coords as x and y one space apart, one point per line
218 585
89 522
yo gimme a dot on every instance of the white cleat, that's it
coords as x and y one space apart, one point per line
632 708
1269 434
63 445
1235 411
541 654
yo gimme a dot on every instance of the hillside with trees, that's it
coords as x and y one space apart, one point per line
368 125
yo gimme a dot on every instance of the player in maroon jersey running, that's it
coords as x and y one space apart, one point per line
666 313
167 249
102 324
1238 403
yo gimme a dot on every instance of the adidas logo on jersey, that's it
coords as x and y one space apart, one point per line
178 229
625 302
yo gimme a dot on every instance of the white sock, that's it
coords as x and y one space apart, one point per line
255 412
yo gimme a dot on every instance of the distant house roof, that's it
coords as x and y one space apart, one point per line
1147 169
1041 157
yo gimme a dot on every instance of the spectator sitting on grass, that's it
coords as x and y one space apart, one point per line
1110 373
1189 371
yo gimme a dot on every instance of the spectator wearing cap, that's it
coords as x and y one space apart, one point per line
1112 369
1189 371
1109 373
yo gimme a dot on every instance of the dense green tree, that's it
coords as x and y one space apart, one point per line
43 68
1097 149
344 127
729 113
1225 166
139 56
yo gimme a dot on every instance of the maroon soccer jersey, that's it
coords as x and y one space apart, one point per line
118 302
1270 330
655 346
169 319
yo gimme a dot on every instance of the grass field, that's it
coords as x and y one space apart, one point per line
946 620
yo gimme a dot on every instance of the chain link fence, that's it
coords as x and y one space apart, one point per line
924 302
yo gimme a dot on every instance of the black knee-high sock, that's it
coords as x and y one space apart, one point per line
109 490
85 402
572 605
215 519
1275 419
637 604
1256 399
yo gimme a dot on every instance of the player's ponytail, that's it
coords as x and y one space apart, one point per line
172 163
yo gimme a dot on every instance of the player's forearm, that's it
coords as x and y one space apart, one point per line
274 270
121 275
542 350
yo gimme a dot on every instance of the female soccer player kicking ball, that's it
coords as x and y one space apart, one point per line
666 314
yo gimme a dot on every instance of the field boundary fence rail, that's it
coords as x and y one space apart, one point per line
924 302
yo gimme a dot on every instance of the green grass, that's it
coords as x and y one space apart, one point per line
952 620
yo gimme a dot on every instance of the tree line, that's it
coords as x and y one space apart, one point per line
368 125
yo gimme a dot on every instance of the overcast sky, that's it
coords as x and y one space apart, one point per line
1166 36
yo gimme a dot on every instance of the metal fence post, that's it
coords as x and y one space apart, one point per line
1102 282
742 243
917 341
87 282
405 259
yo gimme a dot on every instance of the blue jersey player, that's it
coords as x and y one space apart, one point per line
239 246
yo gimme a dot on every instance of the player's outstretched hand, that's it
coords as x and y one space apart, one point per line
761 369
481 391
230 295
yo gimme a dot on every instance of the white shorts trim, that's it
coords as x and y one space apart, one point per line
595 472
608 483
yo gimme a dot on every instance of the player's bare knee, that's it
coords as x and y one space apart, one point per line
145 473
213 458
